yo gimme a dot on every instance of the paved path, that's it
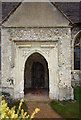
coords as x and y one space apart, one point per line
45 109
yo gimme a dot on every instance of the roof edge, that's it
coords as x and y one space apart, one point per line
11 12
53 3
19 3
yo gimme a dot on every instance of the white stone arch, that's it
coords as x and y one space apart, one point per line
34 51
50 55
41 52
78 34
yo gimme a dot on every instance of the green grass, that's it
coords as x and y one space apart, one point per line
16 103
70 109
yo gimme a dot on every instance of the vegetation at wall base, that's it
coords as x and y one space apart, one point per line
4 93
15 111
69 109
16 103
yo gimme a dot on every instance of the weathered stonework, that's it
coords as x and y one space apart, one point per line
45 31
50 42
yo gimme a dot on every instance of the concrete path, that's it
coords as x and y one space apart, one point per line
45 109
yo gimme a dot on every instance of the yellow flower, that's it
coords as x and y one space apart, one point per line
36 111
3 115
2 102
22 111
22 100
20 106
24 114
2 96
10 113
27 116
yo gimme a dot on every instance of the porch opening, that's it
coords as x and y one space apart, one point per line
36 76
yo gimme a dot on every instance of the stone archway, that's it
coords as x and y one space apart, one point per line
36 73
44 52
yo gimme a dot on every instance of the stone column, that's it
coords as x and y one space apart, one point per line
53 77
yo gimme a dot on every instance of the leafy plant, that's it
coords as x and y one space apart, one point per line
4 93
16 103
8 113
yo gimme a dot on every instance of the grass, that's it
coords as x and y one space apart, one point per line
70 109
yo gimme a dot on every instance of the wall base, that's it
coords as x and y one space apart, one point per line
66 94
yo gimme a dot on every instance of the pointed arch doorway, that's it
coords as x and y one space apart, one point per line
36 75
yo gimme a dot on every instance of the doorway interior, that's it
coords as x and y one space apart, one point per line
36 77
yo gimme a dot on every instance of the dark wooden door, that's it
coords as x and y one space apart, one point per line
37 75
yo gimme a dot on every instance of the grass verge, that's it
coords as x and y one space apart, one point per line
70 109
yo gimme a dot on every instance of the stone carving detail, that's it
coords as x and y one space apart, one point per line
46 51
25 53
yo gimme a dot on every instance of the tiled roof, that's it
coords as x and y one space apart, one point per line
7 7
71 9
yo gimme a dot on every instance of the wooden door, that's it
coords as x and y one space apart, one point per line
37 75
